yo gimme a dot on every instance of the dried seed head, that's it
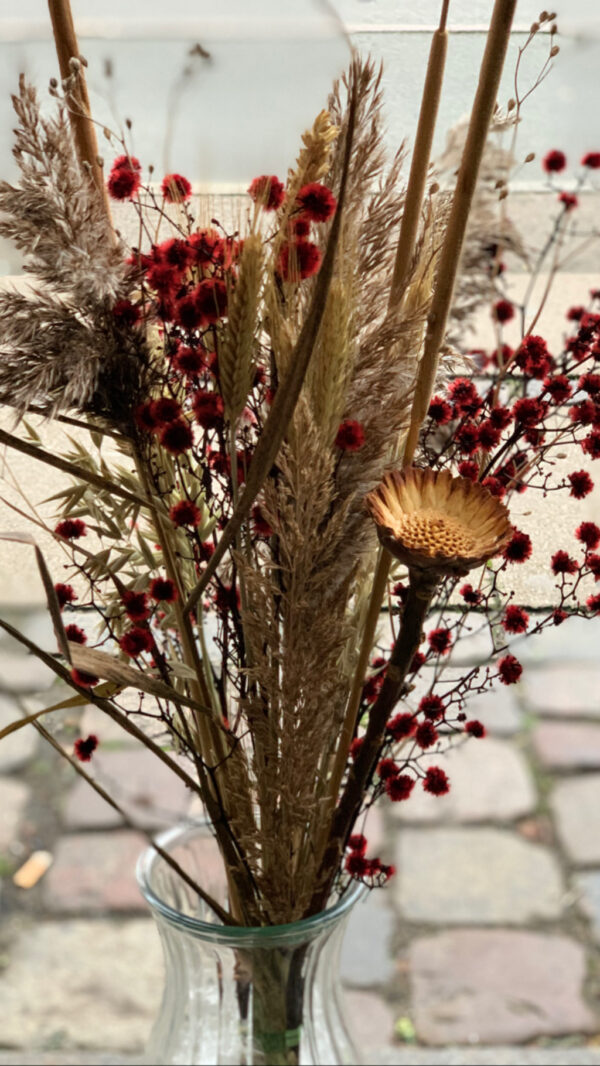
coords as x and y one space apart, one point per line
554 51
529 157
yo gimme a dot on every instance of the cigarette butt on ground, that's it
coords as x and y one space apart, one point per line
30 872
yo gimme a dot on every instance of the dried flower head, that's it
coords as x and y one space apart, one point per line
438 523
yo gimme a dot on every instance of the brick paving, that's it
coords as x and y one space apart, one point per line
488 939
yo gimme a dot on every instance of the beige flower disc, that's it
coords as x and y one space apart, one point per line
438 523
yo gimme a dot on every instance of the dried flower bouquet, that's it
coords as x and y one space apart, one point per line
254 401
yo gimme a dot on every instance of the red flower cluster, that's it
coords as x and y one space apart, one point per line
299 260
440 640
136 641
316 202
436 781
71 528
350 436
65 594
267 191
175 188
185 513
136 605
163 589
554 161
125 177
84 749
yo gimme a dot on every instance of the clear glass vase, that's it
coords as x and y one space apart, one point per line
253 996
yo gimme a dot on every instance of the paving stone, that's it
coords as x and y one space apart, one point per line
88 984
148 791
567 745
370 1020
17 748
14 796
587 887
490 781
94 873
487 986
24 673
475 876
576 806
365 958
564 690
498 710
574 641
571 1054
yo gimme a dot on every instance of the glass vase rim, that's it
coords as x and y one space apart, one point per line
235 935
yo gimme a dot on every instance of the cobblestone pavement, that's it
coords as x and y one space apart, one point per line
485 948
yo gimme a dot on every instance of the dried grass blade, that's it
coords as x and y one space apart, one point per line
51 597
236 362
73 469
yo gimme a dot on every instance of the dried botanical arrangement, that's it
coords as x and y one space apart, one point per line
255 401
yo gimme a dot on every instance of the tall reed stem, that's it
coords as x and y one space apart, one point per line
84 132
409 226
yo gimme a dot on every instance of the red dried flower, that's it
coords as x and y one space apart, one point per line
489 436
581 484
83 679
500 417
426 734
177 437
350 436
387 768
591 160
593 602
591 444
574 313
144 419
503 311
165 410
399 788
136 605
71 528
187 314
401 726
470 595
185 513
464 396
562 563
357 842
568 199
135 641
593 563
175 188
510 670
356 864
475 729
417 661
316 201
554 161
468 468
495 486
299 260
558 388
440 640
189 361
84 749
589 534
432 707
75 634
436 781
65 594
590 383
125 313
175 253
559 616
515 619
227 598
529 411
533 357
467 437
268 191
162 588
208 408
124 178
440 410
518 549
210 297
206 246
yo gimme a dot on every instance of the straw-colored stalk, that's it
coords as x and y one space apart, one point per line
236 354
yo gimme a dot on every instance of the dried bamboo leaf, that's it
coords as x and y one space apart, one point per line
51 597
